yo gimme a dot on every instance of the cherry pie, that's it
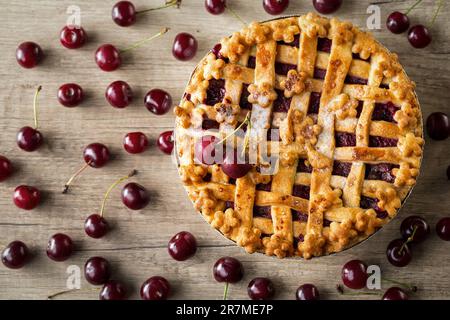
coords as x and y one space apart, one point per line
350 136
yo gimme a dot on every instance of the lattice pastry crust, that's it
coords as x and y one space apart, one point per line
350 127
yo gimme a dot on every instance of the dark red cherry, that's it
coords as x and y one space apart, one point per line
73 37
70 95
113 290
232 168
419 36
421 227
448 172
398 253
184 46
327 6
228 269
397 22
216 50
26 197
135 196
275 6
205 149
29 139
215 6
97 270
108 58
182 246
135 142
354 274
307 291
395 293
29 54
438 126
15 255
165 142
119 94
60 247
96 226
260 289
158 101
96 155
6 168
124 13
443 228
155 288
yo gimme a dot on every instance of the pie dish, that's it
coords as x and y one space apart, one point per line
350 136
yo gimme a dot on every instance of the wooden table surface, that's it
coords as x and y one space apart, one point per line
137 247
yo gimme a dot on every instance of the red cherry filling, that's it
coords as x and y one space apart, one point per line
299 216
262 211
295 43
264 186
371 203
216 50
355 80
345 139
384 112
215 92
243 103
251 63
209 124
341 168
381 171
284 68
314 103
281 103
381 142
319 73
301 191
324 44
302 167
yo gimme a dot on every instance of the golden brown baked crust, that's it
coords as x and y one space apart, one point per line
360 77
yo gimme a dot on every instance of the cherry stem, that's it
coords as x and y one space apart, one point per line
411 238
225 291
168 4
412 8
236 15
138 44
50 297
410 287
440 5
72 178
340 289
36 94
246 121
132 173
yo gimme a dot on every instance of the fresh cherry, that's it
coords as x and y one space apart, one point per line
232 168
184 46
416 228
15 255
30 139
158 101
135 196
165 142
275 6
135 142
215 6
419 36
113 290
307 291
26 197
182 246
438 126
29 54
6 168
260 289
395 293
119 94
97 270
443 228
96 155
398 253
60 247
96 226
354 274
155 288
108 57
124 13
73 37
228 269
70 95
327 6
397 22
205 149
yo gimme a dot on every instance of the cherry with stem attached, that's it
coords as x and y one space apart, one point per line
30 139
398 22
96 225
419 35
217 7
228 270
108 57
124 13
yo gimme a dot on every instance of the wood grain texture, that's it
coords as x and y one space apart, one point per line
137 245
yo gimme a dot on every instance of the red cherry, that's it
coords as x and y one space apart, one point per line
119 94
354 274
96 155
232 168
215 6
443 228
184 46
108 57
260 289
155 288
29 54
165 142
395 293
15 255
182 246
419 36
399 253
275 6
26 197
97 270
60 247
29 139
397 22
124 13
228 269
70 95
158 101
438 126
6 168
73 37
307 291
96 226
135 196
135 142
327 6
113 290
